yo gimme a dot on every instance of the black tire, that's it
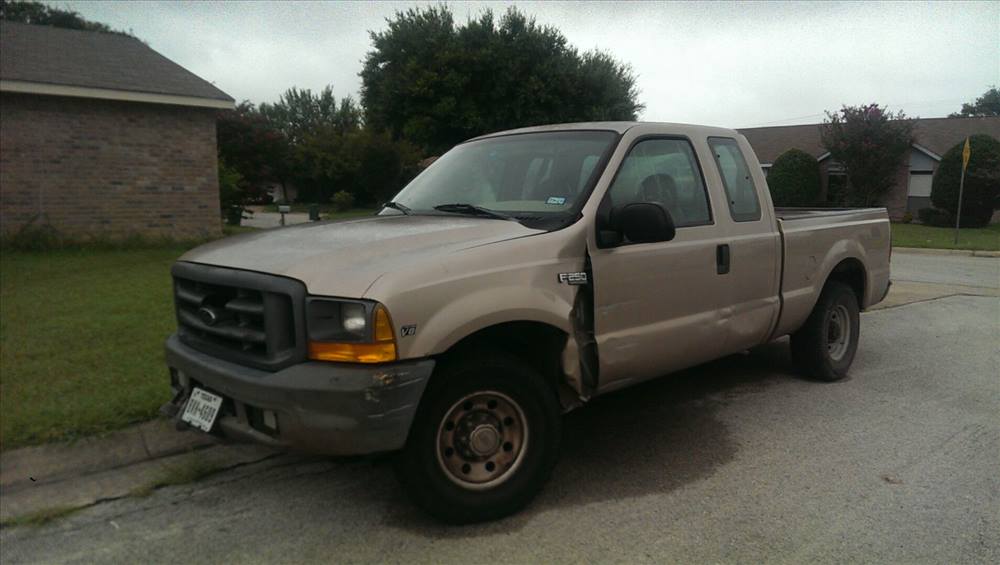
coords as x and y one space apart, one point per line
816 348
485 376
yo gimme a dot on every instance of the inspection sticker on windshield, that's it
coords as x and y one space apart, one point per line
201 409
557 200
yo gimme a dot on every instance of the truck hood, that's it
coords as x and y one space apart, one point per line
344 258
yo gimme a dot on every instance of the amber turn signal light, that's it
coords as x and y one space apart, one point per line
382 350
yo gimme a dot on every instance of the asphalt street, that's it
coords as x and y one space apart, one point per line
735 461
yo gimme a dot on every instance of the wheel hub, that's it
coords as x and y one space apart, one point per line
481 440
484 440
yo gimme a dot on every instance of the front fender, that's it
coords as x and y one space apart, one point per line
488 307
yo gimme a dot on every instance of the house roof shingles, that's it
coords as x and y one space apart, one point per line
937 135
110 61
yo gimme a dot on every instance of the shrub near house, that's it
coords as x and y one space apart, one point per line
794 179
982 181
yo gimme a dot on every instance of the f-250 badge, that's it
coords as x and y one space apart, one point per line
573 278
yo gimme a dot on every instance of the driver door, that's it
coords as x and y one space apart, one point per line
659 307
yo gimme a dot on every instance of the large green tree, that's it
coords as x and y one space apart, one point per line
42 14
981 194
870 142
436 83
254 147
794 179
986 105
299 112
370 166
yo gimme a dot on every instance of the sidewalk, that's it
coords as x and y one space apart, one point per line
931 251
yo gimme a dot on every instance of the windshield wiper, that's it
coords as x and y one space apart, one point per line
397 206
473 210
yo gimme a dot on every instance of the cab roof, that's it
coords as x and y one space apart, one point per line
620 128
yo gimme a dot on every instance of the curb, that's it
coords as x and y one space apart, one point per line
60 461
932 251
36 503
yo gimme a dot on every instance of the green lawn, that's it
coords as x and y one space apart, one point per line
918 235
81 341
81 338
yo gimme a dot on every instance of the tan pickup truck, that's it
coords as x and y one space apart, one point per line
522 274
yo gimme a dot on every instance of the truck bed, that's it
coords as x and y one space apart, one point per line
815 241
790 213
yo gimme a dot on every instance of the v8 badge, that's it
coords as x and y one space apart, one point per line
407 331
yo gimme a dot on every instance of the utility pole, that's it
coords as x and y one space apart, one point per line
966 152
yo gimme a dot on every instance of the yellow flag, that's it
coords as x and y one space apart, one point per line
966 151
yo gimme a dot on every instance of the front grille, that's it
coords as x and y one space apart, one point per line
245 317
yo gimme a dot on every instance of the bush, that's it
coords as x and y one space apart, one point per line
342 201
943 218
232 195
935 217
982 181
794 179
39 237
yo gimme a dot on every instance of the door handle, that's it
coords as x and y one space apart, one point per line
722 259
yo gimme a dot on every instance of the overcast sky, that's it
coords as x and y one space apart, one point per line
726 64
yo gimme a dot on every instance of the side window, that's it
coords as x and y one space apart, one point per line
664 171
740 191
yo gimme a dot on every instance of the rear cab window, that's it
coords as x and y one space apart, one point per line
741 194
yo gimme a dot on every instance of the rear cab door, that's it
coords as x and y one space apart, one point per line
753 242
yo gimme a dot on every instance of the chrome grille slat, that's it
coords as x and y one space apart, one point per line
234 332
246 305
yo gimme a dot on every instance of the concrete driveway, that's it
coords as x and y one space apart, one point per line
273 219
737 460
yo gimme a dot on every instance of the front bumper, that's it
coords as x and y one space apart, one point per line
329 408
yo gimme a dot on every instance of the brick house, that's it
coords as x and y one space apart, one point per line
99 134
932 138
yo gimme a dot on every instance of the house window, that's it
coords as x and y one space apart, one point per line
920 183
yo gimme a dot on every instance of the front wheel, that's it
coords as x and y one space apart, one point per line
825 345
484 440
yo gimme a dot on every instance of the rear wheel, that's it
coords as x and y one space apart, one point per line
484 440
824 347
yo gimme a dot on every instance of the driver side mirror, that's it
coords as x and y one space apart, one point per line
644 222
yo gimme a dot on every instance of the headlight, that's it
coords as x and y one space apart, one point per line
349 330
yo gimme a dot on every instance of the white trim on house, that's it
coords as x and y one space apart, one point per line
109 94
926 151
916 146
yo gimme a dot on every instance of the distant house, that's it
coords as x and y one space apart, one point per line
99 134
932 138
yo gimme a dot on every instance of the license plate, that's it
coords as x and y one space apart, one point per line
201 410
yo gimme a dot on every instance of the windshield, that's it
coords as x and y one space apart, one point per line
532 176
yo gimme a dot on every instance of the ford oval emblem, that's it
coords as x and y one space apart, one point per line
208 315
